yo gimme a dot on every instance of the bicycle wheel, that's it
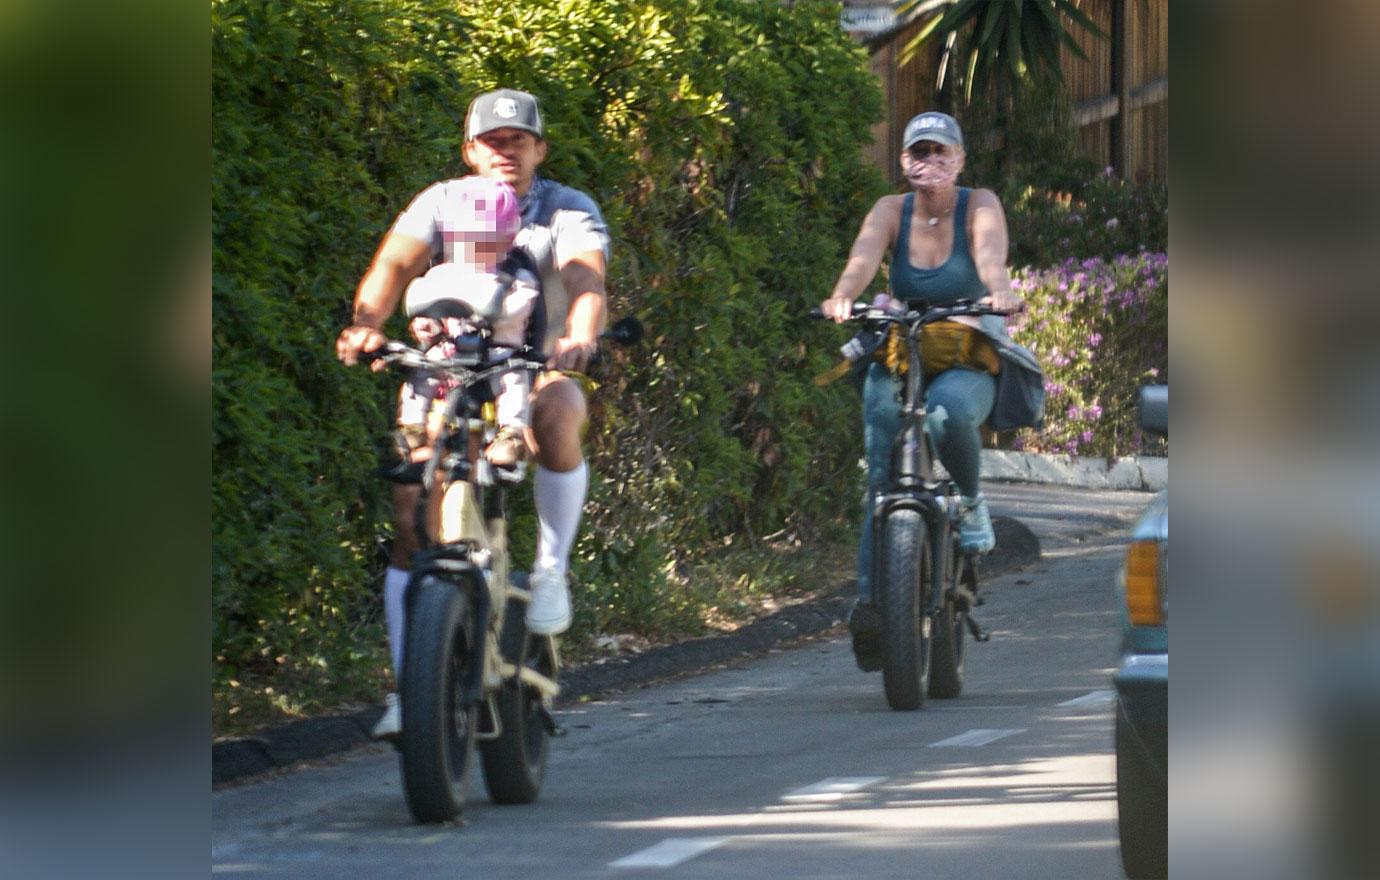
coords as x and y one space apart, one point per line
905 591
437 732
947 652
515 762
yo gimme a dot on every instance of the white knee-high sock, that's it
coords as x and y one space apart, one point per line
394 588
560 499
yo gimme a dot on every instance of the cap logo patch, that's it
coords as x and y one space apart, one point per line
505 108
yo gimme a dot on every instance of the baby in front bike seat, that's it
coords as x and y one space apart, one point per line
497 287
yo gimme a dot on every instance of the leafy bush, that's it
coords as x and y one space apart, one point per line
1100 329
1058 203
721 139
1101 216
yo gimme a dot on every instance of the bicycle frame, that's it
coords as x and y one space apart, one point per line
913 482
462 526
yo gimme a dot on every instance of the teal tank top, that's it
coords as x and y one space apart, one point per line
954 279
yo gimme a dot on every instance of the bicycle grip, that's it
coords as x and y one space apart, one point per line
818 313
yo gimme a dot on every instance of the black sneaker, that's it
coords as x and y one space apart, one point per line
865 623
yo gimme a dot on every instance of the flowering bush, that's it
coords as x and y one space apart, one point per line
1100 329
1100 217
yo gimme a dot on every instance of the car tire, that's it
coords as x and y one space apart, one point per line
1142 800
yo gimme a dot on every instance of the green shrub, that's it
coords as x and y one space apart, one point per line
1100 329
1100 216
721 138
1059 204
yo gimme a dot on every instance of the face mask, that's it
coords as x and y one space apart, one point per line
933 171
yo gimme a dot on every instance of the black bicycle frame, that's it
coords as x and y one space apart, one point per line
912 484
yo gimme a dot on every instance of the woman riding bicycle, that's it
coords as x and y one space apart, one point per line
947 243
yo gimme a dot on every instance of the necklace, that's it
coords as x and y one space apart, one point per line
932 221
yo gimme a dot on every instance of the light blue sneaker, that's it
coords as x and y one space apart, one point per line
975 527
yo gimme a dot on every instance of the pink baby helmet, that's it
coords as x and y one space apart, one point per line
488 209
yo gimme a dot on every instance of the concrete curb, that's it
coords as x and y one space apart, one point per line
1144 473
314 738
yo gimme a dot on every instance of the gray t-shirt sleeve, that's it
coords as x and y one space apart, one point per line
577 226
421 219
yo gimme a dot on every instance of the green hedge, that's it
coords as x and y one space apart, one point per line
721 138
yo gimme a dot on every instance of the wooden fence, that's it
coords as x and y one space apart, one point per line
1120 93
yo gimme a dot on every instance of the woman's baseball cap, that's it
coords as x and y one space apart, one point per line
932 126
484 208
502 108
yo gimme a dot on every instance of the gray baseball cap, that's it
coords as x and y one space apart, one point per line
933 126
502 108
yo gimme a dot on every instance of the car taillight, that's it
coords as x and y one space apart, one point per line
1144 583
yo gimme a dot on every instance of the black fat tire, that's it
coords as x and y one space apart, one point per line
947 652
437 742
1142 801
905 591
515 762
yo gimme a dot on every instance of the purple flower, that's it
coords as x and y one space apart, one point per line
1093 412
1073 414
1086 436
1095 340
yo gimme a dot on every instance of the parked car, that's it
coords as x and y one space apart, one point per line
1142 678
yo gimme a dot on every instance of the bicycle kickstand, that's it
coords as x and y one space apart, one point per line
549 722
979 634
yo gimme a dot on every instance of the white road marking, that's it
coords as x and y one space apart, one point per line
669 852
1095 698
832 789
979 737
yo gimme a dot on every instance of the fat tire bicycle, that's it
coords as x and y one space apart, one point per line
473 678
924 584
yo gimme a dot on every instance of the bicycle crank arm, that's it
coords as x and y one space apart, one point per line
965 597
532 678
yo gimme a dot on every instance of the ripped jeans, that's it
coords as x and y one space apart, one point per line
958 401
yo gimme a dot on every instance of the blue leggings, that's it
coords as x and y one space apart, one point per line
958 401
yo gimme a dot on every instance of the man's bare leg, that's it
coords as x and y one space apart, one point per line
559 486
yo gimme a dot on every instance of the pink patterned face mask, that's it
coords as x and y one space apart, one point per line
932 172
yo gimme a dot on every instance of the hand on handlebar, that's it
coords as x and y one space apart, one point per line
1005 302
837 309
572 354
357 340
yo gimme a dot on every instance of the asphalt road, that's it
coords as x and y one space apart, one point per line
786 766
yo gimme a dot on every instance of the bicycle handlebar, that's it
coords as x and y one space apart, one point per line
625 332
394 352
916 312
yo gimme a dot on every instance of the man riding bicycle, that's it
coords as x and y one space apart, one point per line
565 233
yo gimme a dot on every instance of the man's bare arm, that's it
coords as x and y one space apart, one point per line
399 259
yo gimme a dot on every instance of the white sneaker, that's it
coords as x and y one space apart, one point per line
390 725
548 613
